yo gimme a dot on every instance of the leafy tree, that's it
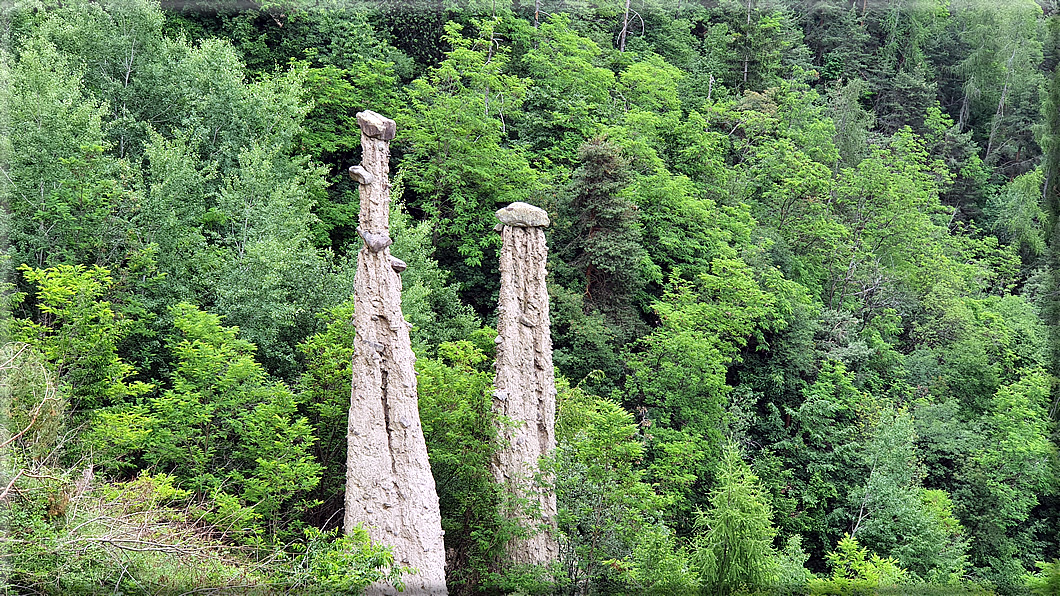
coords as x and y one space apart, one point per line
791 564
125 65
824 457
855 572
272 280
77 332
346 563
651 109
330 135
852 121
178 220
418 30
1017 215
678 375
650 85
982 344
1047 581
709 72
606 507
1005 476
457 166
658 566
886 204
893 516
68 201
570 94
684 229
697 151
790 197
348 68
324 389
782 149
240 243
939 507
584 345
429 299
460 429
223 427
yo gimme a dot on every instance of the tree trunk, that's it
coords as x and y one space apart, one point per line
389 487
625 29
996 122
747 51
525 383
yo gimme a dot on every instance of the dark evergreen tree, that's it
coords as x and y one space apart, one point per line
837 39
605 242
767 42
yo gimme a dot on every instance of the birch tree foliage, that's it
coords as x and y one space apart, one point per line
67 198
895 517
125 56
232 210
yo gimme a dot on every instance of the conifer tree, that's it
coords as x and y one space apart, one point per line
735 551
606 247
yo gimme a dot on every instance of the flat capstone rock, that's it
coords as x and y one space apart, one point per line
523 215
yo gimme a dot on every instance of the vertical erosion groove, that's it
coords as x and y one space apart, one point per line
384 378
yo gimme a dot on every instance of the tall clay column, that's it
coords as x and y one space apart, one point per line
389 487
525 383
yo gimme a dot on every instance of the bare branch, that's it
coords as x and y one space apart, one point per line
33 420
10 485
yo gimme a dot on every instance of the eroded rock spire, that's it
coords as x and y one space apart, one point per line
389 487
525 385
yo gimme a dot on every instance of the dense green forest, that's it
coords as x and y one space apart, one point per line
804 281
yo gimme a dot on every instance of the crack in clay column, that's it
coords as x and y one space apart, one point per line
389 486
525 385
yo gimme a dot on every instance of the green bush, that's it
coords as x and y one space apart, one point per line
333 563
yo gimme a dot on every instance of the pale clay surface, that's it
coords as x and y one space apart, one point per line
525 387
389 486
